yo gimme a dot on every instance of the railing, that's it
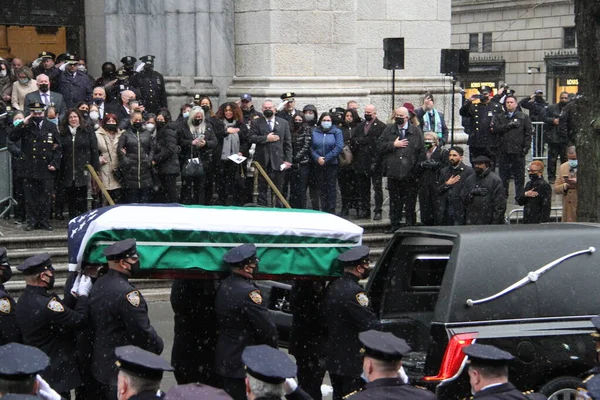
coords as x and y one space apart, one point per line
98 181
6 199
555 215
538 141
274 189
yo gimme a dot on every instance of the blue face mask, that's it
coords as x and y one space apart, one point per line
186 114
17 122
54 121
573 163
326 124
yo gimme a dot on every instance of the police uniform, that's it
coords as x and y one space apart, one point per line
386 347
20 363
194 391
119 317
48 324
143 364
242 320
52 73
151 85
128 65
590 388
347 312
9 330
113 92
284 113
40 148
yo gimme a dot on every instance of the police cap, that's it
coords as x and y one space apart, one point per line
197 98
485 89
47 54
37 106
481 160
36 264
596 323
268 364
336 110
193 391
288 96
71 59
62 57
241 253
383 345
121 250
3 257
141 363
121 74
485 354
128 60
21 362
355 255
149 59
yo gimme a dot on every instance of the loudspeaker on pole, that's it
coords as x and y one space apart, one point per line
393 57
454 62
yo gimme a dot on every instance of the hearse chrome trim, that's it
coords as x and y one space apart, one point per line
531 277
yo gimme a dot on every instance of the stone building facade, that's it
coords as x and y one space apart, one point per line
529 44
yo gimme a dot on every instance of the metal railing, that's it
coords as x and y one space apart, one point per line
274 188
6 199
538 142
517 215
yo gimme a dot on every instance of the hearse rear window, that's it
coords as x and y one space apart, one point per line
427 271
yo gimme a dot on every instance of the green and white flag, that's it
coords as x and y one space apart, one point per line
177 237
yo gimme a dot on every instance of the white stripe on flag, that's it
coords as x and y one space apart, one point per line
209 244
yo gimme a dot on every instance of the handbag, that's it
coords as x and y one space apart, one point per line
346 156
193 168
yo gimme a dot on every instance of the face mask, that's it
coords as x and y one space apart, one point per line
364 377
110 127
399 121
485 98
109 73
50 282
24 81
3 73
94 115
429 144
368 117
206 109
326 125
17 122
186 114
37 120
150 127
309 117
479 171
82 68
268 113
297 124
573 163
533 177
54 121
6 274
135 268
98 101
160 124
196 122
148 67
85 114
44 87
137 125
367 273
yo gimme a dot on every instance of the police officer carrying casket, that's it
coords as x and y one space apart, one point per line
9 330
118 315
151 85
41 149
347 313
242 319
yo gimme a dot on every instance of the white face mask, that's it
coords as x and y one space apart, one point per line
150 127
94 115
3 73
81 68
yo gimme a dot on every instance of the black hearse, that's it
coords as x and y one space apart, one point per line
528 289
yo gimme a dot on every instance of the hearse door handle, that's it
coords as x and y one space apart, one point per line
531 277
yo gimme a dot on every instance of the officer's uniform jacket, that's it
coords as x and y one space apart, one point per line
390 388
503 392
40 147
481 116
9 330
151 85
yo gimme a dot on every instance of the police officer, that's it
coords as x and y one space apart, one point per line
346 311
151 85
242 318
42 151
115 89
47 67
18 369
9 330
286 108
129 65
47 323
383 354
140 373
481 140
119 315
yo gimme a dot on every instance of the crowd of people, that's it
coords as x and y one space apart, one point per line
62 120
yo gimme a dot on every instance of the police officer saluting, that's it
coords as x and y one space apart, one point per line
119 315
347 313
48 324
151 85
18 369
242 319
140 373
9 330
383 353
41 150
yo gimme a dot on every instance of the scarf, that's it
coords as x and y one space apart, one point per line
73 130
231 142
427 123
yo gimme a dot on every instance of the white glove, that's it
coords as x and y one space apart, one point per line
63 66
403 375
36 62
281 105
289 386
45 391
140 67
85 285
75 287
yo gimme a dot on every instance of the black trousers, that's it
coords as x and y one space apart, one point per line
229 185
76 199
296 179
429 203
348 187
263 186
192 190
168 188
37 200
343 385
403 195
555 151
327 180
363 184
19 196
310 375
116 195
136 195
489 152
235 387
512 165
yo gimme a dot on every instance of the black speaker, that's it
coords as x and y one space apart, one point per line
393 57
454 61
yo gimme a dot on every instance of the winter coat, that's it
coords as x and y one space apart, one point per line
75 88
366 158
537 209
166 152
452 208
301 145
553 134
488 209
514 133
77 151
135 162
40 147
481 116
188 150
569 196
19 92
400 163
327 144
221 134
107 148
536 107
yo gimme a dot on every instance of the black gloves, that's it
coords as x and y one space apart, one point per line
512 124
480 191
429 164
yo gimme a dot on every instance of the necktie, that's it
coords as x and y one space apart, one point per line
402 133
270 125
45 98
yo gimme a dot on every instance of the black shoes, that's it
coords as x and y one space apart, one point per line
377 216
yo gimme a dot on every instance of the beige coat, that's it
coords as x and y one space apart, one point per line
20 91
569 198
107 148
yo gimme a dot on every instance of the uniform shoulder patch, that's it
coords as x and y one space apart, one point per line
55 305
362 299
134 298
256 296
5 306
352 394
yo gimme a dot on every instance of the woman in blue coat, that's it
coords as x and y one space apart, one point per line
327 144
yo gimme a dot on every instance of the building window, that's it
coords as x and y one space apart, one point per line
569 37
486 42
474 42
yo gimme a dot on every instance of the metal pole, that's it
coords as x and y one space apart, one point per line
393 90
452 123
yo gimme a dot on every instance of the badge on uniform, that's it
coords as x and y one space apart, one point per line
362 299
134 298
255 296
5 306
55 305
490 114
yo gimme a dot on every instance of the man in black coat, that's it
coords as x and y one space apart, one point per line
402 146
42 151
47 323
383 354
9 330
151 85
242 319
555 137
248 109
367 163
45 96
450 185
346 312
483 195
513 130
537 196
434 159
273 148
537 106
74 86
118 315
